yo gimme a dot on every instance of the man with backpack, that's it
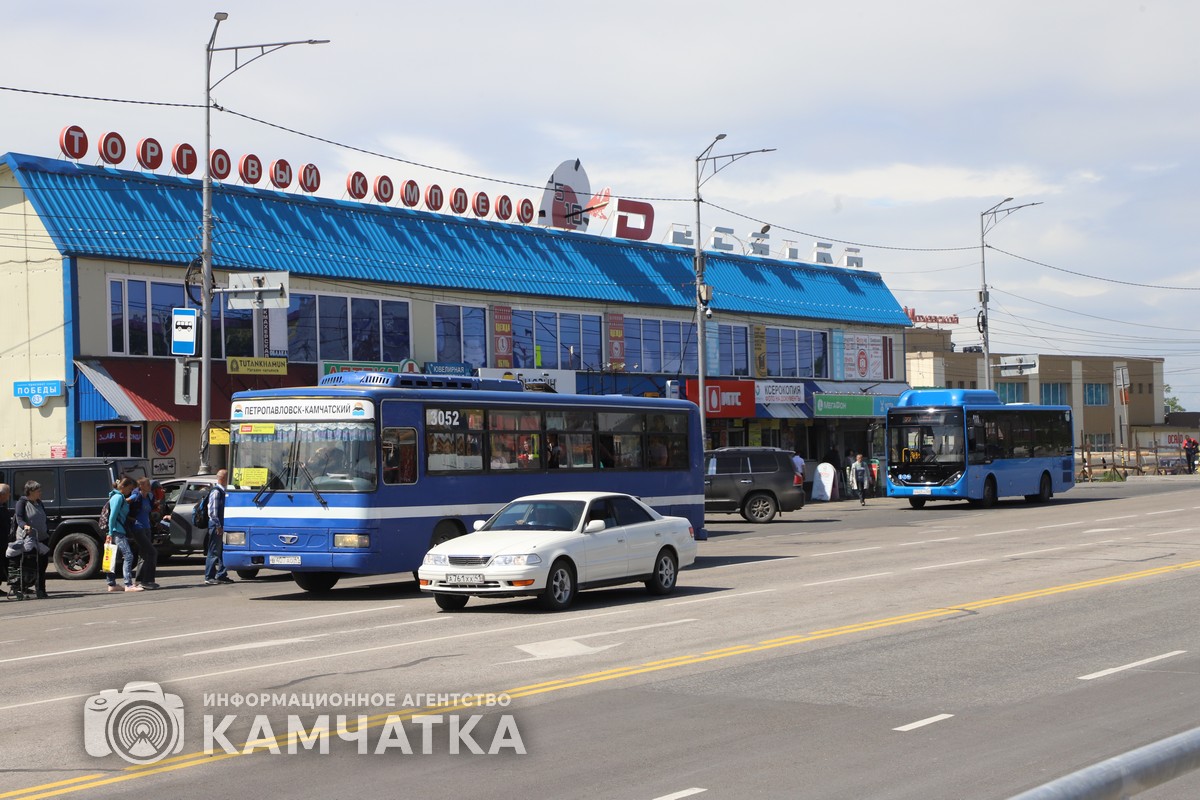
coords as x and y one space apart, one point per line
141 503
214 507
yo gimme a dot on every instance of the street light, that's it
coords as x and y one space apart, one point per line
988 220
703 292
206 268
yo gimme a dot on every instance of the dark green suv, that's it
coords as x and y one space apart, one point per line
73 491
757 482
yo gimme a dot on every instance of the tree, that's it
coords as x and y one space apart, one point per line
1170 403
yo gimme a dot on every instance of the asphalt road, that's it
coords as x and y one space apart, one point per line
838 652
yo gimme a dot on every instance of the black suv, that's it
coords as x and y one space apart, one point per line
755 481
73 491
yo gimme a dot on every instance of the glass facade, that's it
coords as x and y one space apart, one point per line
1056 394
1096 394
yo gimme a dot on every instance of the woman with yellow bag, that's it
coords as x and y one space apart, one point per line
118 534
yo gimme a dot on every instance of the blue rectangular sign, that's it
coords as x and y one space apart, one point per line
183 331
37 391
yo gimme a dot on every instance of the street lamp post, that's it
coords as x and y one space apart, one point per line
703 292
206 268
988 220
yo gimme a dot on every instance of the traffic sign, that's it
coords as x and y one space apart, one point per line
183 331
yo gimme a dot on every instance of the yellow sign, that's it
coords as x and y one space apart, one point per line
249 476
256 427
256 366
218 436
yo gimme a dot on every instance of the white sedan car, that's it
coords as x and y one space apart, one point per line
553 545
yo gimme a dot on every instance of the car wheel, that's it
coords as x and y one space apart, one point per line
316 582
560 586
451 602
759 508
916 502
77 557
989 493
665 575
247 574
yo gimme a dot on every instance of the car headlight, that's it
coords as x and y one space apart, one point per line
516 561
351 540
435 560
236 538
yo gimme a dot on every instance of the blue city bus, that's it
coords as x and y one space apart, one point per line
964 444
362 474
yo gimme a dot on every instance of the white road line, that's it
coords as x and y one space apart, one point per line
1061 525
1164 533
1031 552
951 564
678 795
1110 519
1165 511
1104 672
921 723
998 533
719 597
838 552
1103 530
927 541
855 578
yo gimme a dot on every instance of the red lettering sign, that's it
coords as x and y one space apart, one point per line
385 190
434 197
281 174
310 178
219 164
250 169
634 208
73 142
724 399
504 207
356 185
183 158
459 201
525 212
112 148
149 153
410 193
480 204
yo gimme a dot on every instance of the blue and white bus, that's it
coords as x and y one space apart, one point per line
362 474
964 444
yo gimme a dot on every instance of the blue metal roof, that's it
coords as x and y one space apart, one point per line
136 216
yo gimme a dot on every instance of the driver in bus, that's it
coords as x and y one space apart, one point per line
328 460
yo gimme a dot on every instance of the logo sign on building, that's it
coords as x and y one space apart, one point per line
562 381
37 391
331 367
183 331
563 201
847 405
724 399
775 392
616 341
448 368
256 366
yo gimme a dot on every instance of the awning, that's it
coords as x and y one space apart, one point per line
107 392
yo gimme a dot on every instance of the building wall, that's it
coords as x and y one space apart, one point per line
33 318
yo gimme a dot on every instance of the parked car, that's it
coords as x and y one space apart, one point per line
757 482
73 491
552 545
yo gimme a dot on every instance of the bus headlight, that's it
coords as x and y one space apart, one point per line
516 561
953 479
235 538
435 560
351 540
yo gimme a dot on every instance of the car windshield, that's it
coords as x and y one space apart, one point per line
540 515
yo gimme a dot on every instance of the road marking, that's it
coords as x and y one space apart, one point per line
1104 672
571 646
855 578
199 758
921 723
1165 511
1103 530
256 645
679 795
1168 533
1061 525
951 564
719 597
1031 552
1110 519
840 552
998 533
927 541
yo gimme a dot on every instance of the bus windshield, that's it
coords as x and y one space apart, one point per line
927 436
304 456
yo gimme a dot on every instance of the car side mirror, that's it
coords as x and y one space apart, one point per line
479 523
594 526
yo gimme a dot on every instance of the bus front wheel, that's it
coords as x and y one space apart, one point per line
916 502
316 582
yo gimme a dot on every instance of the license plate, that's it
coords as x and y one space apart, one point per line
471 577
922 491
283 560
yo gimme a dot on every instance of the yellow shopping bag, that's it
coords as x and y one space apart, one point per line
110 557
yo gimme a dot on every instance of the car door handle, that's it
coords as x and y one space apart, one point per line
658 534
745 481
619 541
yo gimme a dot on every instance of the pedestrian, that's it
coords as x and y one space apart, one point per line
860 478
119 528
798 468
8 529
28 554
141 506
1190 448
214 565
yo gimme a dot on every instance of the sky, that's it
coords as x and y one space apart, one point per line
894 127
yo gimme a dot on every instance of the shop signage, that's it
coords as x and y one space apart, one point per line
330 367
448 368
944 319
256 366
852 405
774 392
562 381
724 399
37 391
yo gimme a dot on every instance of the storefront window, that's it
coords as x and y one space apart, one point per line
302 327
522 330
365 324
396 345
119 441
139 336
545 339
239 330
116 315
334 331
571 355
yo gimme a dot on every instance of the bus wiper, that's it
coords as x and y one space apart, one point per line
312 484
266 486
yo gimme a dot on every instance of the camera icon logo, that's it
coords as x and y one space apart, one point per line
140 723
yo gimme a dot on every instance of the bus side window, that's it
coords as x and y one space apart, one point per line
399 455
